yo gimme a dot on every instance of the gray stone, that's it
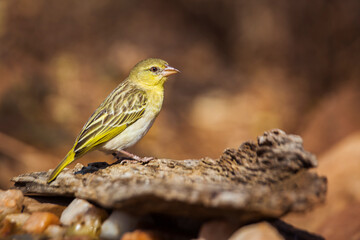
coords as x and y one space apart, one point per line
83 218
117 224
257 231
55 232
10 202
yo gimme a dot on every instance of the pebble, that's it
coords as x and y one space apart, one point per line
117 224
140 235
55 232
89 227
17 220
32 205
39 221
6 229
10 202
83 218
217 229
257 231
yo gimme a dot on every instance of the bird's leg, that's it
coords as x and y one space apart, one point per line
133 156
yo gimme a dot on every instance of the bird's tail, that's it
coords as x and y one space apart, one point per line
70 157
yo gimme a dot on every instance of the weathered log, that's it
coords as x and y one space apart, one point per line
258 180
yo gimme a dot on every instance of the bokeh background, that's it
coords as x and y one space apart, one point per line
246 67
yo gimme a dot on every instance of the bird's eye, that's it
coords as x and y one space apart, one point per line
154 69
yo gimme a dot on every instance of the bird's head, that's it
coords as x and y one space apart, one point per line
152 72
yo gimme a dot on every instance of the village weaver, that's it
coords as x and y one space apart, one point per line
125 116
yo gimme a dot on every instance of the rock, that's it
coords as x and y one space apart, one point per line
6 228
345 225
83 218
257 231
17 219
117 224
333 118
10 202
55 232
91 227
258 180
80 237
33 205
335 219
75 211
217 230
140 235
39 221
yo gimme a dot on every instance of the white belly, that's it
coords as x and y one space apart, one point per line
132 134
137 130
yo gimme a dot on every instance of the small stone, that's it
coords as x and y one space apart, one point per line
17 219
83 218
10 202
77 209
55 232
88 227
6 228
117 224
32 205
217 229
39 221
257 231
140 235
79 237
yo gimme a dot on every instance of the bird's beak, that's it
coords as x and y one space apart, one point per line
169 71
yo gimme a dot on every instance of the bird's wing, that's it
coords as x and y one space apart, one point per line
118 111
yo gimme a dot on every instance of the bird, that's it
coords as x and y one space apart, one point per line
125 116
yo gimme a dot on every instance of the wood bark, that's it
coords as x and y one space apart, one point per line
258 180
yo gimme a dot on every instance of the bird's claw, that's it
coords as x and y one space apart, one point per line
145 159
142 159
134 158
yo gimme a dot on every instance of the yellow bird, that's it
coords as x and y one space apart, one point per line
126 114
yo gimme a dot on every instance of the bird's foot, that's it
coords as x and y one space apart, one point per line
133 156
142 159
117 156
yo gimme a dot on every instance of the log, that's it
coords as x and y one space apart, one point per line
266 179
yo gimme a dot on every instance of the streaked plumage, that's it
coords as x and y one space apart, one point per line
126 114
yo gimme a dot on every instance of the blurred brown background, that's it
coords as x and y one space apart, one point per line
247 67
